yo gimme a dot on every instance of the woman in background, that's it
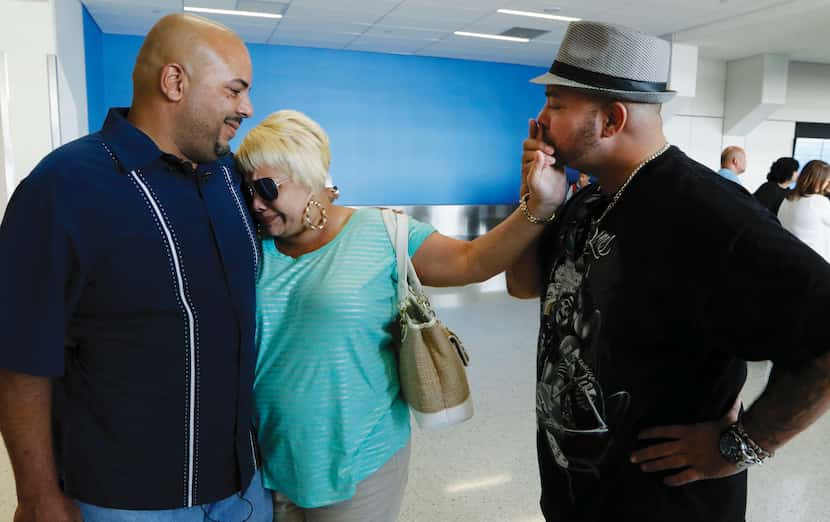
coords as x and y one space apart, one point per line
332 426
806 211
780 177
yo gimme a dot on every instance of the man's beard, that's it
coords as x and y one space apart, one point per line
585 139
221 150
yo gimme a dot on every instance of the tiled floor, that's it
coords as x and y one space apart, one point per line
485 469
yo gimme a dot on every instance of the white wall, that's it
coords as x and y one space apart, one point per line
697 126
27 36
808 94
29 32
6 159
69 40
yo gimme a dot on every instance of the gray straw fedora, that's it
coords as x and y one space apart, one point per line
612 60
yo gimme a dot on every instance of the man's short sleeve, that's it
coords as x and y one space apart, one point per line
771 298
40 279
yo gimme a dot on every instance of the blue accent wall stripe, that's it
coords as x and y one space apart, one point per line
405 130
93 45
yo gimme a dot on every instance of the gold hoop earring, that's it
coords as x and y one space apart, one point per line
323 217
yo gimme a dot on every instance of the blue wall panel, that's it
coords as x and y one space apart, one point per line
404 130
93 38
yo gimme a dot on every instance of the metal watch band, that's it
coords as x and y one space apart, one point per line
749 453
759 451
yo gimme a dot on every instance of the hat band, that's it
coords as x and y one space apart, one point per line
604 81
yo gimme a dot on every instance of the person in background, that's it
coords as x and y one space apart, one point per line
781 175
332 425
732 163
581 182
805 212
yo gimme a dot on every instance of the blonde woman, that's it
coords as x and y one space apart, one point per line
806 211
332 426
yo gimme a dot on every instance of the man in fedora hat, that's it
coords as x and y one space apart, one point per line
650 304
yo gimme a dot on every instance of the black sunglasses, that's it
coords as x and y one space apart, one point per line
266 188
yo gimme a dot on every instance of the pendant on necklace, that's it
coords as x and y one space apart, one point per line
599 244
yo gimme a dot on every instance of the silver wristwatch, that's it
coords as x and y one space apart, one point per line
737 447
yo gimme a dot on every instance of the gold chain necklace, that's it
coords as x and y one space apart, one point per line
599 244
619 192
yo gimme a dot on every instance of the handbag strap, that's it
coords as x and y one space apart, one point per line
397 226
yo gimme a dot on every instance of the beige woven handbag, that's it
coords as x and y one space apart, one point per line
431 358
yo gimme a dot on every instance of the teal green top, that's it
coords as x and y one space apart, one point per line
327 405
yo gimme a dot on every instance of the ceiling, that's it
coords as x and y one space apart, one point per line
726 29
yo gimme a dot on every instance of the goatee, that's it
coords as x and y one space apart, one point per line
221 150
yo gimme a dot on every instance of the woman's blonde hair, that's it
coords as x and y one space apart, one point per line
291 142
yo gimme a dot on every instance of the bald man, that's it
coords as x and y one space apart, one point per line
732 163
127 265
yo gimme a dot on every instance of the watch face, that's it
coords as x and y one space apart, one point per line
730 447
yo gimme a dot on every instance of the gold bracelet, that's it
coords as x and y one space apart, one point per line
530 217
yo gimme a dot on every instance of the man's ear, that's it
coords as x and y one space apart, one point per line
616 117
173 81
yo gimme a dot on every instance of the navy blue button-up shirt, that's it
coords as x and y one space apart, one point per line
132 277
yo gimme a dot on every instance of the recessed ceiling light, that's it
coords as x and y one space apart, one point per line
492 36
538 15
232 12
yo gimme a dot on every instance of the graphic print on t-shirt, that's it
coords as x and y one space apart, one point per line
575 415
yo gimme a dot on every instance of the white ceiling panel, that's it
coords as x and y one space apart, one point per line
485 5
467 46
135 27
726 29
532 53
383 5
361 11
797 31
479 43
497 24
562 7
211 4
504 21
381 44
541 55
147 5
116 18
669 16
321 26
553 37
405 33
263 6
253 30
325 15
308 39
438 18
480 57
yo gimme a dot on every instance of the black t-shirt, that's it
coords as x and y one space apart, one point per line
649 323
771 195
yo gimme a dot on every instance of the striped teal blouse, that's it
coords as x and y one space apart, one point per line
327 404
